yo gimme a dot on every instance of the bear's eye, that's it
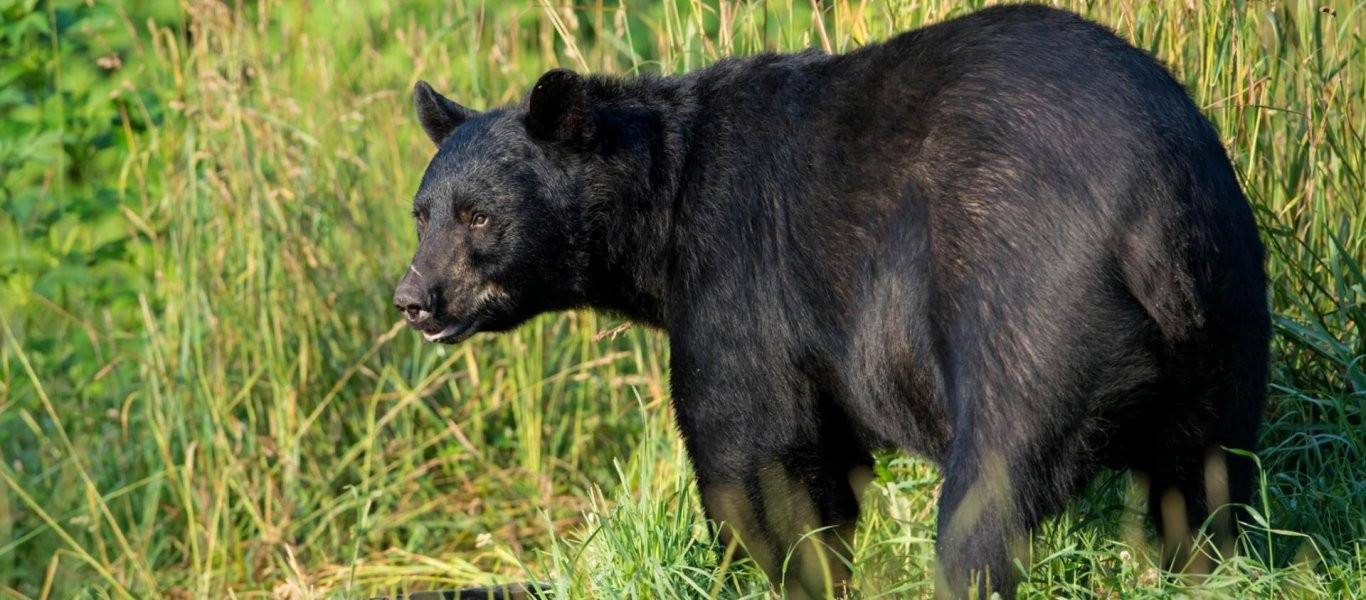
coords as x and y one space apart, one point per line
479 220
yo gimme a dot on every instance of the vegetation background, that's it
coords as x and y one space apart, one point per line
204 393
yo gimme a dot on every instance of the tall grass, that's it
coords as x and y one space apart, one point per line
203 392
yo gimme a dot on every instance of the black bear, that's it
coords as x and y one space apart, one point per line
1008 242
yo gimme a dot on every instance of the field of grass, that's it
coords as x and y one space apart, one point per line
204 392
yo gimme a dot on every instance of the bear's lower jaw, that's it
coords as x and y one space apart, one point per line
454 333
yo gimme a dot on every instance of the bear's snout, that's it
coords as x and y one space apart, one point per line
413 300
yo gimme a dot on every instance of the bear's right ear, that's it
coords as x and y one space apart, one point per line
438 115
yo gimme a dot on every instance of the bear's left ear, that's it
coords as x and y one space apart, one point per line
559 109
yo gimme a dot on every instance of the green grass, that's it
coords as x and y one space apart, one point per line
203 392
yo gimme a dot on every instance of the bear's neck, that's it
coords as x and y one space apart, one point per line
647 136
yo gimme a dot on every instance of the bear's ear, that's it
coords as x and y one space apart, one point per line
558 109
438 115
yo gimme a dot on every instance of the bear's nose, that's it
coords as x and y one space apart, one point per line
414 305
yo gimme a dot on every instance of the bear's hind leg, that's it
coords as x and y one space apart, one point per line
1206 487
1178 506
1218 392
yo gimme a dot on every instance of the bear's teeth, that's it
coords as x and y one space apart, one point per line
449 330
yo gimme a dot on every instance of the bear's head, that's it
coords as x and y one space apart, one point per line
499 213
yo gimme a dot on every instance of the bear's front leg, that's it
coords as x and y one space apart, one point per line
1000 482
779 471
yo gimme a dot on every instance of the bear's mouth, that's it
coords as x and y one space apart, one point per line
453 333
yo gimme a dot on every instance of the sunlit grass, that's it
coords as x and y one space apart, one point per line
230 408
